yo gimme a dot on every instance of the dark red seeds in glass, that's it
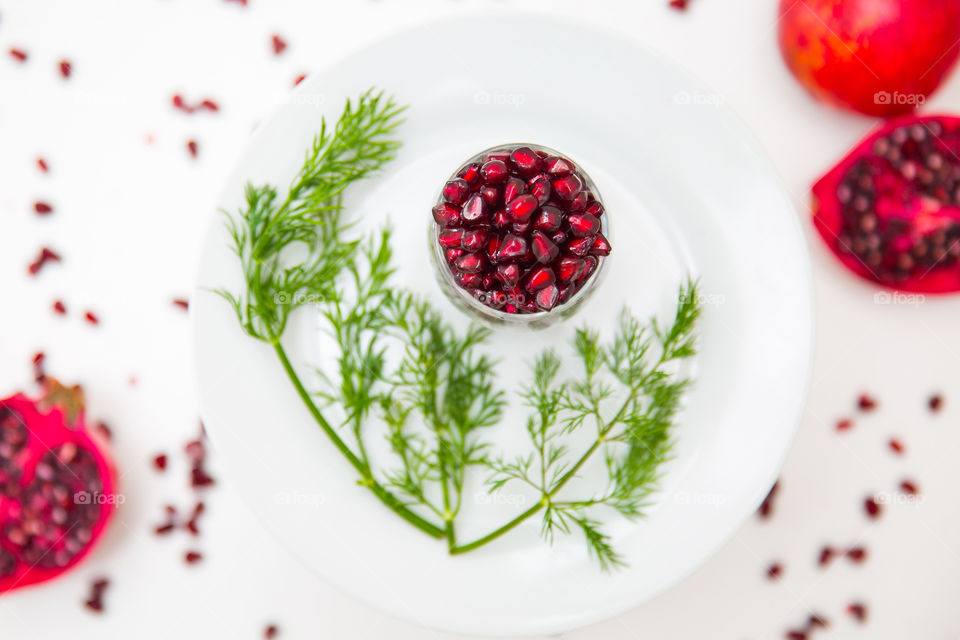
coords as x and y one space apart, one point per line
583 225
456 191
539 278
446 215
872 507
601 246
567 187
543 247
522 207
474 209
525 161
580 246
471 174
494 172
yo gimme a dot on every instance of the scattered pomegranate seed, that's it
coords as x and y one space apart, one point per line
844 425
774 571
210 105
816 620
766 507
279 44
160 462
193 557
204 105
192 523
42 164
826 555
46 255
182 303
240 2
59 307
300 78
896 446
935 403
171 522
270 632
680 5
866 403
42 208
91 317
909 488
192 147
97 589
793 634
197 453
104 430
39 372
19 55
857 554
872 507
858 610
65 68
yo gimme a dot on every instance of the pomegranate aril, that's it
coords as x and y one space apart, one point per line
491 195
521 228
578 204
548 219
567 187
557 166
471 174
591 266
569 268
509 275
579 246
487 282
559 238
583 225
452 254
513 189
525 161
872 507
866 403
511 248
547 297
468 280
567 291
935 403
595 209
473 240
858 610
450 238
541 190
500 219
502 156
539 278
521 208
455 191
470 263
601 247
473 210
494 172
446 215
543 247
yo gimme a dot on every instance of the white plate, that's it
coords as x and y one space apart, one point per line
686 190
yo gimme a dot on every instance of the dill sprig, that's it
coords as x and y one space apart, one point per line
404 375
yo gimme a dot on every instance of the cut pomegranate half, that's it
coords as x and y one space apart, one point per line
57 486
890 210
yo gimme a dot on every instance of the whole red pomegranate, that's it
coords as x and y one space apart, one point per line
57 486
879 57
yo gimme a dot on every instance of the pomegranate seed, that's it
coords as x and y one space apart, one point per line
816 620
541 190
193 557
591 266
866 403
97 589
547 297
680 5
858 611
192 524
46 255
774 571
471 174
160 462
513 189
42 208
500 219
65 68
909 488
200 478
521 208
300 78
181 303
857 554
583 225
521 228
456 190
491 195
580 246
844 425
270 632
470 263
539 278
557 166
935 403
569 268
896 446
91 317
558 237
39 374
525 161
548 219
601 247
468 280
279 44
181 104
450 238
512 248
42 164
59 307
578 204
509 275
474 240
453 254
446 215
826 555
595 209
792 634
494 172
192 148
543 248
872 507
567 187
18 54
766 507
473 210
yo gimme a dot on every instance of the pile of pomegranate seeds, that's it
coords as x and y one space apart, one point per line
520 230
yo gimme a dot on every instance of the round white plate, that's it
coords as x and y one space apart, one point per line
687 190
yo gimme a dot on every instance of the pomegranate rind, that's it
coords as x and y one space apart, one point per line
49 428
828 218
878 57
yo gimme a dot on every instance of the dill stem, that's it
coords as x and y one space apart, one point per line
385 496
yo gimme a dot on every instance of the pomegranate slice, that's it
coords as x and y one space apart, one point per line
57 486
890 210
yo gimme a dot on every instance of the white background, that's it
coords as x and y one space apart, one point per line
128 218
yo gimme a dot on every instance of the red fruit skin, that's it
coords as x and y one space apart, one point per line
861 54
49 428
828 213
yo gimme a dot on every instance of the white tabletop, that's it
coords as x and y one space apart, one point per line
130 205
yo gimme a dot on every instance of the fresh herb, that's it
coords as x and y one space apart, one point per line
405 375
